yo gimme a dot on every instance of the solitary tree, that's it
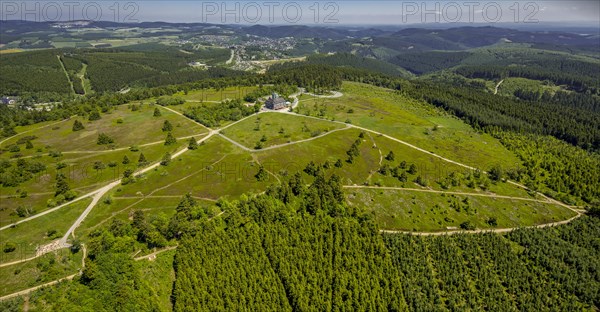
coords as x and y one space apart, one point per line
157 112
170 140
193 144
390 156
125 160
28 145
62 186
496 173
166 160
262 174
167 126
142 160
104 139
77 125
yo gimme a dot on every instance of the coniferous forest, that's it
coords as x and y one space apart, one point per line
270 253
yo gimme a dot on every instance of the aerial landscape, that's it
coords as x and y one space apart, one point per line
296 156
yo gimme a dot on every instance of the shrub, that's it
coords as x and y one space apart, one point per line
9 247
77 125
467 226
104 139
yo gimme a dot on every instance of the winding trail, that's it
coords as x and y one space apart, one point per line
66 278
445 192
230 60
98 194
34 129
503 230
111 150
251 150
497 86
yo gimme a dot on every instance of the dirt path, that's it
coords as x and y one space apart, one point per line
116 149
153 255
497 86
62 65
445 192
504 230
42 127
230 60
66 278
251 150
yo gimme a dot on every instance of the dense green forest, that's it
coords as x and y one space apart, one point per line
426 62
298 256
144 65
38 71
580 76
300 247
352 61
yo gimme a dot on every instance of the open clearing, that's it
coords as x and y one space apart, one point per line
277 129
421 211
29 235
417 123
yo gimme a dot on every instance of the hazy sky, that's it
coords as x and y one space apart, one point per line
307 12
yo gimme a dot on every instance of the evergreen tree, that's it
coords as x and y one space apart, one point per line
62 186
78 125
166 160
167 126
142 160
193 144
170 140
104 139
94 115
390 156
125 160
262 174
157 112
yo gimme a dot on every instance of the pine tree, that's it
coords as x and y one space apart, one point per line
142 160
77 125
390 156
104 139
166 160
157 112
339 163
167 126
170 140
62 186
94 115
193 144
125 160
262 174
